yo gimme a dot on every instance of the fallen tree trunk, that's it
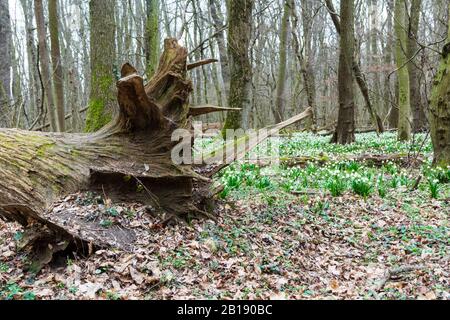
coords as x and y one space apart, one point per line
375 160
129 160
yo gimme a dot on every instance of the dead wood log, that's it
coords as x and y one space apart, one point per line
374 160
201 63
244 144
127 160
207 108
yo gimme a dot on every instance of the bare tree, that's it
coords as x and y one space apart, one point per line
419 119
44 62
103 54
440 108
239 30
404 120
152 38
279 110
5 62
345 130
58 80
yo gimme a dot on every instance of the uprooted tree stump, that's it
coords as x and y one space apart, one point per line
127 160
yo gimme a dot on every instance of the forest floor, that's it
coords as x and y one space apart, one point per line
331 229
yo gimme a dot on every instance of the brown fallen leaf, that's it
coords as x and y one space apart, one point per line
137 277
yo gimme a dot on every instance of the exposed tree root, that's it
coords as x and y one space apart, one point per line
129 160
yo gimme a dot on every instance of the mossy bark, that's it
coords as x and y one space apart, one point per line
44 63
440 109
102 98
417 105
404 102
359 76
279 111
345 130
5 61
239 30
128 159
58 81
152 36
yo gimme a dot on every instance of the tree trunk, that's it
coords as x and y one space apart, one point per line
390 107
345 130
35 94
152 36
38 170
419 119
404 103
375 60
58 80
44 62
239 31
103 55
220 37
360 79
440 109
280 102
307 65
5 63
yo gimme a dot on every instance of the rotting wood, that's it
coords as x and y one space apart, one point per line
127 160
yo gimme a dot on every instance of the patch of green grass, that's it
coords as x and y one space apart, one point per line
362 186
10 291
336 186
4 267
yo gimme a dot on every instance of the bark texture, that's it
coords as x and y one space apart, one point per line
417 106
152 36
58 81
280 103
103 54
440 109
44 62
239 31
5 62
345 130
129 159
401 49
218 21
360 79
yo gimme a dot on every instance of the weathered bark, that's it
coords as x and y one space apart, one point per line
130 159
38 169
401 48
220 37
239 30
390 108
58 81
44 62
103 54
152 36
31 58
417 106
375 60
5 62
440 109
307 63
207 108
373 160
345 130
360 79
280 102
